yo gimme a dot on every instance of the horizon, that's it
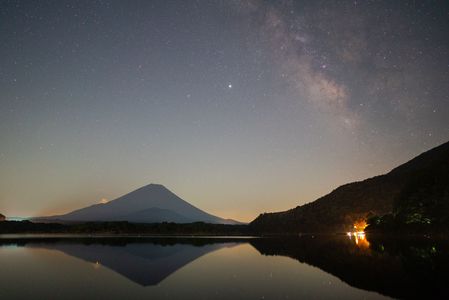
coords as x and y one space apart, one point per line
105 201
237 107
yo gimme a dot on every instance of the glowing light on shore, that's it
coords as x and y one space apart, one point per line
357 234
360 225
104 201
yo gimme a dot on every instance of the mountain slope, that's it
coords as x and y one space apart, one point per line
355 202
150 204
158 215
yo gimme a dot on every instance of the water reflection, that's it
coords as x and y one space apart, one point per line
359 238
397 267
348 267
145 262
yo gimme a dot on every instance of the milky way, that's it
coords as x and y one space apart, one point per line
239 107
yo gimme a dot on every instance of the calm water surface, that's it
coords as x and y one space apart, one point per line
183 268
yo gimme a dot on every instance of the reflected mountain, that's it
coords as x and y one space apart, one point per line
400 268
395 267
144 262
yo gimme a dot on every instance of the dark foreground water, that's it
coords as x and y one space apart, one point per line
186 268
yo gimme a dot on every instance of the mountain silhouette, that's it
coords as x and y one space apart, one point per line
153 203
418 188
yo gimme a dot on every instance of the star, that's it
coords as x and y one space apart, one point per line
230 86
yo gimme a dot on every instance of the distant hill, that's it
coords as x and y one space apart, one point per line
153 203
418 191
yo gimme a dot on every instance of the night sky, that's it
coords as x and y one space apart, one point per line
239 107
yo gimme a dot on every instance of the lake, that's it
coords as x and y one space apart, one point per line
332 267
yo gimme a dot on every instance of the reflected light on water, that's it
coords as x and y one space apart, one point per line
359 238
97 265
358 235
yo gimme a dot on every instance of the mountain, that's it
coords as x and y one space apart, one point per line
417 190
153 203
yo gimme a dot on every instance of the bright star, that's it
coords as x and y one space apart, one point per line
230 86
